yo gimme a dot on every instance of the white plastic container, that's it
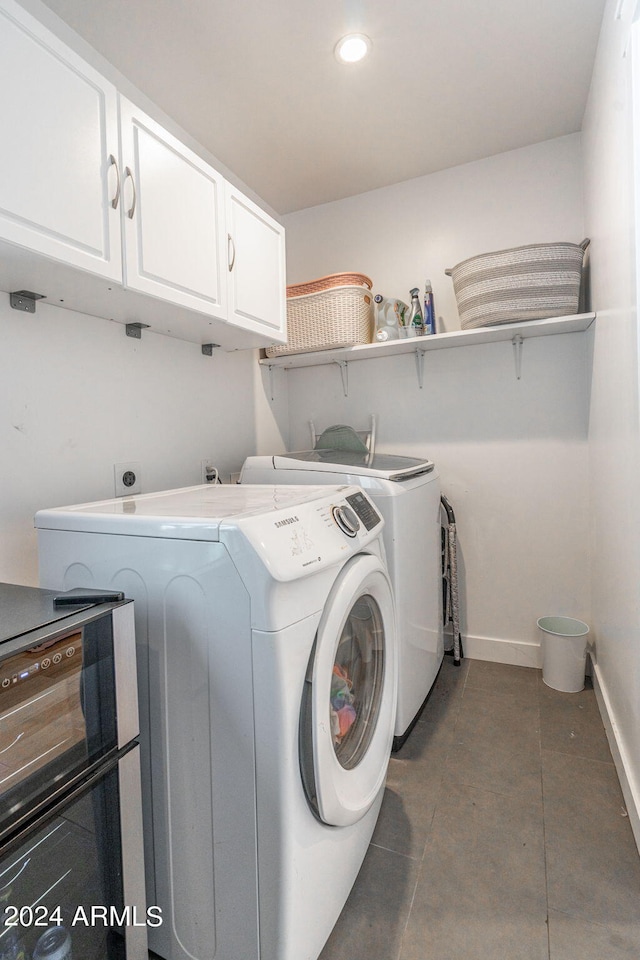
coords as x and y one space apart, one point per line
564 652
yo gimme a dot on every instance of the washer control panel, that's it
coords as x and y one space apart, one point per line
299 538
364 509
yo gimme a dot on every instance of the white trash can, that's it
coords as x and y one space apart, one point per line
564 652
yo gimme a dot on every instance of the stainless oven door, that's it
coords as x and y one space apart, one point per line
72 880
66 703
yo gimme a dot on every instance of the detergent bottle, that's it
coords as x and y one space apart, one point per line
388 318
429 309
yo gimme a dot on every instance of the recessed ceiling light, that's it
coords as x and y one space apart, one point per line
352 48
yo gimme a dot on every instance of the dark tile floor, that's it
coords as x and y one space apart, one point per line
503 833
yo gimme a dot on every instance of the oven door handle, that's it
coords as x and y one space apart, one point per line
48 809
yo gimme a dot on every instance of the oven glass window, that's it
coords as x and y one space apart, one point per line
57 715
52 884
357 681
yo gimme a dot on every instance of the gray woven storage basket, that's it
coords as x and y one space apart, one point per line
333 315
525 283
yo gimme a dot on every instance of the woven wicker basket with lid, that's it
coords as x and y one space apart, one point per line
332 311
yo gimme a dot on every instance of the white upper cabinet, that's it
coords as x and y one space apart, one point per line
173 212
256 267
58 164
106 212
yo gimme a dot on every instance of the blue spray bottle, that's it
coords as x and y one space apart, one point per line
429 309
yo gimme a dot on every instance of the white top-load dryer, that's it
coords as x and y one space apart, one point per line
265 631
406 491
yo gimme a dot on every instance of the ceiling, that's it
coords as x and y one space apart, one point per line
256 83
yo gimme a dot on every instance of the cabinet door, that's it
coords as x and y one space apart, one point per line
256 265
59 123
173 208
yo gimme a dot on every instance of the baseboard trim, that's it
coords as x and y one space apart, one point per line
630 789
516 652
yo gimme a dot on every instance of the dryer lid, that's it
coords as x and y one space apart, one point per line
387 466
202 512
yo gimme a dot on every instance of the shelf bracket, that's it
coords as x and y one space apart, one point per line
344 373
420 367
208 348
272 391
517 354
135 330
25 300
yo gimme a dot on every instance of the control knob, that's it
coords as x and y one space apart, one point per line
346 519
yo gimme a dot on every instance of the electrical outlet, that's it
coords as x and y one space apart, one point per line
127 479
208 471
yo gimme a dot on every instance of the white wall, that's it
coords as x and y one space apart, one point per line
77 395
611 183
402 234
512 453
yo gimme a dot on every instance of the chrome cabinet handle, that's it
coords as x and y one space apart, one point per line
132 209
231 247
114 163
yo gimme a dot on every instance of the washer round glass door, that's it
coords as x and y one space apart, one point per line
349 700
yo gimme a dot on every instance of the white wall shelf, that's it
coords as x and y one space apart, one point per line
517 333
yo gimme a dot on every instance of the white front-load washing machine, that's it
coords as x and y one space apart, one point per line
406 491
265 630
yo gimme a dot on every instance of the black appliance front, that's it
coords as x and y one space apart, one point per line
62 887
70 812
